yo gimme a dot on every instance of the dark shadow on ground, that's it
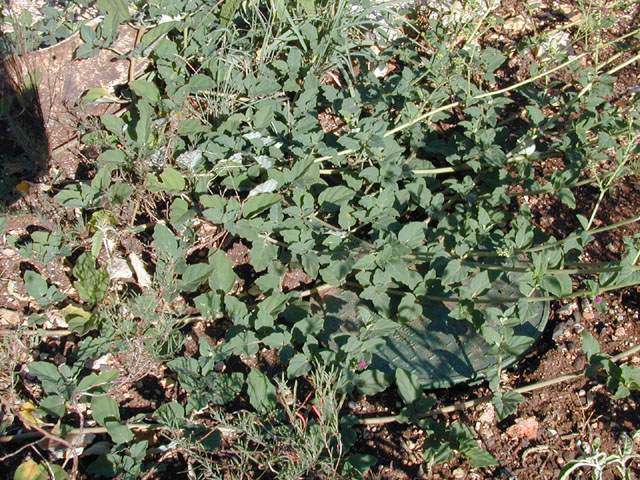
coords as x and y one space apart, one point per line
24 148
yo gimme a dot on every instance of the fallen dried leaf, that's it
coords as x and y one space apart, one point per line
144 280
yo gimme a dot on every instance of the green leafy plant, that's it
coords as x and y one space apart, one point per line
599 461
379 164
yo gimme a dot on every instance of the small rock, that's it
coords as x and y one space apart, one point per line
567 309
459 473
9 317
488 416
524 428
517 24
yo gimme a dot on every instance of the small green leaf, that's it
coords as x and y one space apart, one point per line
264 115
409 386
53 405
263 253
262 393
30 470
172 180
118 433
259 203
372 381
194 276
112 157
506 403
92 283
146 90
104 408
222 276
298 365
590 345
558 284
332 198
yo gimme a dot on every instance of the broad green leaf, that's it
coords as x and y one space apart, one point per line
172 180
263 253
113 123
244 343
98 95
310 9
332 198
409 386
191 126
92 283
558 284
165 240
99 382
180 212
53 405
566 196
372 381
48 374
146 90
171 414
237 310
298 365
118 433
194 276
222 276
535 114
142 128
412 234
104 408
200 82
362 462
480 458
113 157
259 203
506 403
209 304
114 7
36 286
30 470
590 345
264 116
228 11
262 393
224 387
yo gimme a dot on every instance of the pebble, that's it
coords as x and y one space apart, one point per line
459 473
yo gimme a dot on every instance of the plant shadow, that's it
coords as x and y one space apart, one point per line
24 146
